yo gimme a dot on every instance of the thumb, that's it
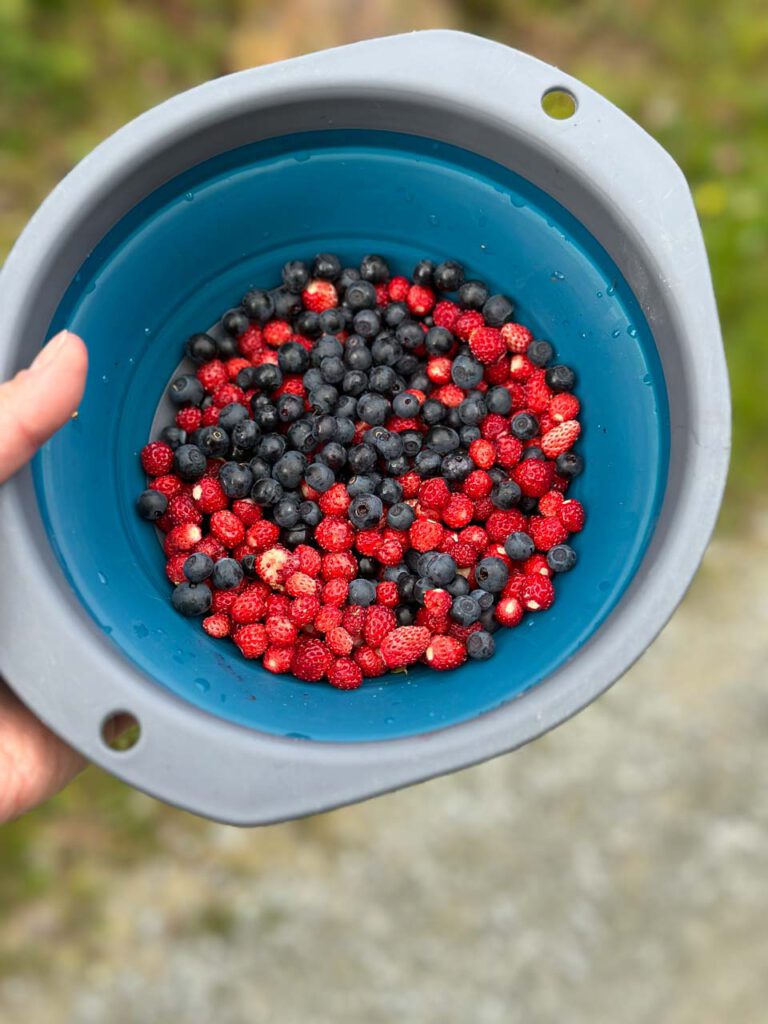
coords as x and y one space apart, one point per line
40 400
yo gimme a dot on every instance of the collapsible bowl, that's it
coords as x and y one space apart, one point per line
431 144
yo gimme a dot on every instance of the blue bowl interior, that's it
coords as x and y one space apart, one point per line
191 249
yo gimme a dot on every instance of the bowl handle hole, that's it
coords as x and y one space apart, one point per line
120 731
559 103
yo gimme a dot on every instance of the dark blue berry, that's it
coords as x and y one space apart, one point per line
258 305
448 276
497 310
286 511
319 477
491 574
524 426
295 275
480 645
201 348
422 273
560 378
569 464
401 516
561 558
540 352
309 512
151 505
227 574
292 357
198 567
326 266
374 268
236 480
519 546
499 400
505 495
365 511
189 462
231 415
465 610
173 436
466 371
186 390
473 295
191 599
266 492
235 323
362 592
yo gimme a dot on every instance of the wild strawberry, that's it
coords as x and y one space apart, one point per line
345 674
390 552
335 501
520 369
370 662
227 394
420 300
382 294
560 439
270 565
277 659
291 386
477 484
445 314
249 606
378 622
572 515
514 584
235 365
319 295
498 373
434 493
280 629
493 426
249 343
435 622
397 288
299 583
546 423
339 565
404 645
463 633
536 565
487 345
438 601
500 524
537 392
410 482
277 332
227 528
156 458
174 567
218 625
475 536
467 322
458 511
546 531
263 534
251 639
328 617
278 604
425 535
339 641
387 594
516 337
167 484
334 534
210 416
223 600
210 546
445 652
439 369
181 509
550 503
311 660
564 406
212 375
368 542
310 559
182 538
450 394
247 511
534 477
464 555
508 451
354 620
537 593
509 611
189 419
208 496
482 453
304 609
335 592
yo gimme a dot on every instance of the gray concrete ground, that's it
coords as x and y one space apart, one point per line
613 871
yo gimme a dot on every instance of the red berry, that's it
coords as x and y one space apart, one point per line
434 494
500 524
445 314
210 416
249 606
458 512
218 625
156 458
509 611
537 392
475 536
550 503
426 535
168 484
410 482
354 619
334 534
404 645
212 547
450 394
477 485
467 322
335 501
390 552
299 583
537 593
311 660
339 641
182 538
564 406
208 496
328 618
498 373
508 451
445 652
370 662
281 629
252 640
174 567
310 559
277 659
464 555
339 565
277 332
181 509
212 375
487 345
345 674
387 594
536 565
482 453
249 343
304 609
189 419
398 288
516 337
247 510
560 438
263 534
227 394
379 621
335 592
271 564
520 369
493 426
572 515
420 300
438 602
546 532
227 528
439 369
534 477
319 295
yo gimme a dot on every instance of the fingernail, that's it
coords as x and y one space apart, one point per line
50 352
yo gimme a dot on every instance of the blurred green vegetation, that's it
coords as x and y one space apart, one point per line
693 72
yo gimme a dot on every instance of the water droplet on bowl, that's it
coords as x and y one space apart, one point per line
615 333
433 219
599 295
202 684
557 276
389 721
140 630
301 158
611 289
178 656
147 331
104 379
189 196
647 379
517 201
632 331
102 578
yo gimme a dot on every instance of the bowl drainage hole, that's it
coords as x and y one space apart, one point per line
559 103
120 731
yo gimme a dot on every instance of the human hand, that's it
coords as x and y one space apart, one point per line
34 763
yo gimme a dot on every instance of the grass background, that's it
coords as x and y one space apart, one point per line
694 73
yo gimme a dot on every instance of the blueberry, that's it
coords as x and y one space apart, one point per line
386 350
488 620
271 447
331 321
458 587
412 442
189 462
361 457
287 305
266 492
151 505
419 381
259 468
323 398
442 439
309 512
246 378
286 511
365 511
448 276
200 348
324 427
465 610
227 574
468 434
519 546
265 415
333 370
226 347
231 415
499 400
505 495
389 446
294 535
373 409
540 352
422 273
466 371
362 592
360 295
173 436
292 357
491 574
484 598
406 365
395 313
473 294
346 277
382 379
405 615
374 268
326 266
358 358
569 464
267 377
524 426
345 428
245 436
497 310
325 347
472 411
400 516
438 341
186 390
355 383
301 436
235 322
433 412
441 569
319 477
258 305
390 491
213 441
480 645
191 599
409 334
561 558
236 480
420 588
456 466
560 378
308 324
528 505
295 275
497 474
398 466
248 563
360 484
392 573
198 567
533 452
427 463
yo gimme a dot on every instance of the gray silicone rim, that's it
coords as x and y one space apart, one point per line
601 166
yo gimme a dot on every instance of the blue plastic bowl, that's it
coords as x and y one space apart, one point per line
192 248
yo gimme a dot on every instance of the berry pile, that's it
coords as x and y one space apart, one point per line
365 473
